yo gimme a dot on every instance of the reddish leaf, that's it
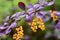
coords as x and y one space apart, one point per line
21 5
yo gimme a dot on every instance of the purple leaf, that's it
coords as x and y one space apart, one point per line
36 6
30 5
44 3
39 1
1 34
5 23
29 17
31 10
50 3
7 31
7 18
21 5
14 24
16 15
38 15
46 18
2 27
43 12
58 26
58 14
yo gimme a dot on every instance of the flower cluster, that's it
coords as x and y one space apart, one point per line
37 23
19 34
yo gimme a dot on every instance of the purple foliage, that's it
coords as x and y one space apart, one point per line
21 5
57 25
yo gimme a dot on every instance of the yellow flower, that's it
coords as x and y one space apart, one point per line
35 24
14 36
19 34
34 28
42 27
19 29
53 15
55 18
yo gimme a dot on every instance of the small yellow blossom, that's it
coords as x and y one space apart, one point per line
53 15
15 36
42 27
37 23
19 34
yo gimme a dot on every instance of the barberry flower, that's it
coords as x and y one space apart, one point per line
33 25
53 15
19 34
41 24
37 23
